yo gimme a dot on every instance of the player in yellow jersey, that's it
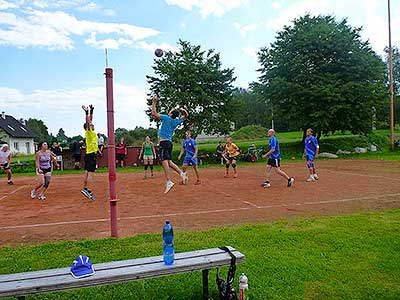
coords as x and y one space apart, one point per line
91 150
231 155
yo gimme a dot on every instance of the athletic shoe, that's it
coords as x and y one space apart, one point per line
86 193
144 177
315 176
266 184
42 197
33 194
311 178
92 197
235 175
169 186
10 182
184 177
290 182
226 175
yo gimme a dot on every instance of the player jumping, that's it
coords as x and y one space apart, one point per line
168 125
91 150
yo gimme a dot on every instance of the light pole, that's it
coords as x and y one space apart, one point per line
391 82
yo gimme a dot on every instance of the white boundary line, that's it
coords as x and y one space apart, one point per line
14 191
364 175
203 212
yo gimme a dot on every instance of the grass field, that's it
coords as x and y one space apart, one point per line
341 257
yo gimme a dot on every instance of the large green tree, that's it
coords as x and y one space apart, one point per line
40 130
194 79
319 73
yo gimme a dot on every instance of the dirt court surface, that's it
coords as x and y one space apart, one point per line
345 186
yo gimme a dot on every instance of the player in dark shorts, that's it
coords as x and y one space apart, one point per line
168 125
120 152
91 151
43 170
274 161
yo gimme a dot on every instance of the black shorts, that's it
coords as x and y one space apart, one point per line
274 162
120 156
77 157
165 150
45 171
6 166
90 162
231 158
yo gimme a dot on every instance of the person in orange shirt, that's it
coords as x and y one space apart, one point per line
231 154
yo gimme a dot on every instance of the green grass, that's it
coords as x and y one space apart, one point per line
342 257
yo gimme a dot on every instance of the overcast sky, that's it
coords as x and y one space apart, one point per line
52 51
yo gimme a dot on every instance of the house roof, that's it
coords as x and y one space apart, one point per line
15 128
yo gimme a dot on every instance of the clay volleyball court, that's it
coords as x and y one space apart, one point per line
345 186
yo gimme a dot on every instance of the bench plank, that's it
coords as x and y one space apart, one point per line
113 272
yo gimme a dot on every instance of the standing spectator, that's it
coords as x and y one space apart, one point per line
76 152
57 151
100 142
220 150
121 152
5 159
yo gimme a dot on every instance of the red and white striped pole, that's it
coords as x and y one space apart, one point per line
112 176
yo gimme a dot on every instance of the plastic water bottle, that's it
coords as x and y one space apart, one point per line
168 248
243 285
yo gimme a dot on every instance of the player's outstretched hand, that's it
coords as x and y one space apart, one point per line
84 108
154 99
91 107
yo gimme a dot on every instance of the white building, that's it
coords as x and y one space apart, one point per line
16 135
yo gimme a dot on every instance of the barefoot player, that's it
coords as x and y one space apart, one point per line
168 125
274 161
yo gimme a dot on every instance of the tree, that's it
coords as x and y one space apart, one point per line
194 79
136 136
39 128
61 137
320 74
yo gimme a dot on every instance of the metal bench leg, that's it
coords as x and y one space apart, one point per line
205 285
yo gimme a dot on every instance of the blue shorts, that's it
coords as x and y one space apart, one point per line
189 161
310 161
309 157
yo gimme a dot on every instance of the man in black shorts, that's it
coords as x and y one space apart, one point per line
274 161
5 159
168 125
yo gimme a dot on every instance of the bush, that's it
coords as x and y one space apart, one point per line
250 132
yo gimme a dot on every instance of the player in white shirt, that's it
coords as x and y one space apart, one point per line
5 159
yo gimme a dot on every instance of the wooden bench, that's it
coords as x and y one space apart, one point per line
39 282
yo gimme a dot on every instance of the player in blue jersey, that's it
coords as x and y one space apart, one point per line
168 125
274 161
311 150
191 148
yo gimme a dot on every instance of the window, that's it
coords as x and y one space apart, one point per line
16 146
28 148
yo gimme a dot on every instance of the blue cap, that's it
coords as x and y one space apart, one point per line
81 267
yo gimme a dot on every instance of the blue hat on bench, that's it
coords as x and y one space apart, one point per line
81 267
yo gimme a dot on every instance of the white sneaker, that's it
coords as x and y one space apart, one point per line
311 178
169 186
290 182
33 194
315 176
185 177
42 197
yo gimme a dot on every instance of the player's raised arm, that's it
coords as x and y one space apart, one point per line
91 112
154 112
87 118
184 113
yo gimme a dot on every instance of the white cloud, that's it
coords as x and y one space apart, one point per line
7 5
251 51
55 30
243 30
61 108
276 5
153 46
371 15
183 24
208 7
